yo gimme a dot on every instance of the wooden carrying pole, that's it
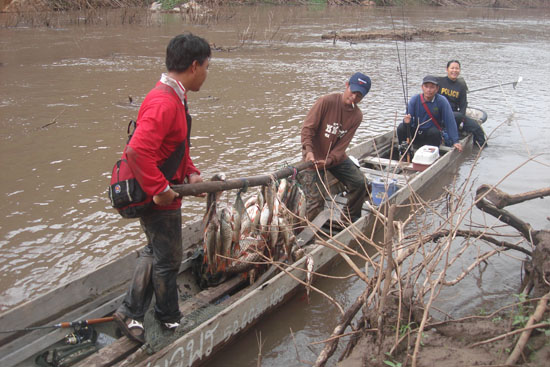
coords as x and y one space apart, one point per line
237 183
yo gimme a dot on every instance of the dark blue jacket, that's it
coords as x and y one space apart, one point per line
441 111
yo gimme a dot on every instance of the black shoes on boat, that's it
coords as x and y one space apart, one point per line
133 329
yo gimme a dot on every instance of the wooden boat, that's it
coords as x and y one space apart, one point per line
225 311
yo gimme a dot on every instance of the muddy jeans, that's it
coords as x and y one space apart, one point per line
349 175
157 268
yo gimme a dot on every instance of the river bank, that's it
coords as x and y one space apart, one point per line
62 5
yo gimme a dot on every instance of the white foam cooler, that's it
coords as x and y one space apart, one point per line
424 157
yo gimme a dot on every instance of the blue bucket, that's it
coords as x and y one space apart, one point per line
379 193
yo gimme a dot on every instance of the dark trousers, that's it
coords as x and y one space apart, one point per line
349 175
157 268
431 136
470 126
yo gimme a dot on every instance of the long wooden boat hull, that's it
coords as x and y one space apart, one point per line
99 293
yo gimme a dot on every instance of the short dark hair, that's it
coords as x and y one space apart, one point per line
450 62
184 49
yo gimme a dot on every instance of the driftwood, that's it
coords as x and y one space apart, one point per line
535 317
238 183
492 201
500 199
330 347
393 35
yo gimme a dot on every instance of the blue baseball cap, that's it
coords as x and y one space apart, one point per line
359 82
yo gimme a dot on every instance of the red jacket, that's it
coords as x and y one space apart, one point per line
161 127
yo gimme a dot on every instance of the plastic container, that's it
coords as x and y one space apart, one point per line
424 157
380 192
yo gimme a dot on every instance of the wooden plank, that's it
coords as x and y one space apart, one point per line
307 234
116 352
378 145
384 163
372 174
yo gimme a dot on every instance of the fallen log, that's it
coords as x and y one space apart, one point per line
391 34
500 199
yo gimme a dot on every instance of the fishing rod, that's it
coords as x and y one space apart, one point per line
237 183
406 151
399 60
405 48
514 84
63 325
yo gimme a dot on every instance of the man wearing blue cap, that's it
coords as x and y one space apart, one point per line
327 131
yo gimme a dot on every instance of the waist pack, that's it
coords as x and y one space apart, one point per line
126 195
125 192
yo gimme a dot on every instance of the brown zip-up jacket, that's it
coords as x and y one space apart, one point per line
328 129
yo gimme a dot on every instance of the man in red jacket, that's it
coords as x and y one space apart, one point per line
163 126
327 131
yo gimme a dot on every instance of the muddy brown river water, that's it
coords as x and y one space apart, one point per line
64 107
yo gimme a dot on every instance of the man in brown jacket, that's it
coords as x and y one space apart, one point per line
327 131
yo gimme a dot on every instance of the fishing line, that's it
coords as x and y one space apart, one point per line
399 60
405 48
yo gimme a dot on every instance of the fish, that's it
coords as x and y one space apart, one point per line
285 233
238 213
253 213
267 210
260 199
211 224
301 208
309 274
215 196
264 220
226 238
282 191
251 201
252 248
291 193
246 225
297 253
211 239
274 226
